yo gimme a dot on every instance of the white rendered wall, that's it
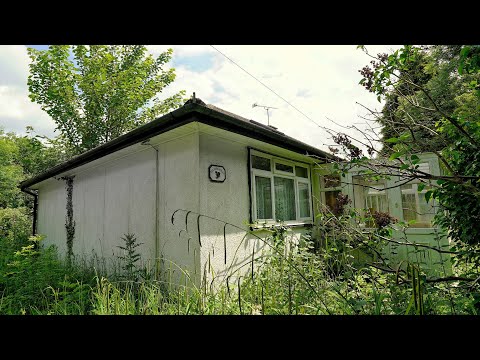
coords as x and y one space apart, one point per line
111 198
178 189
52 202
108 201
119 197
227 202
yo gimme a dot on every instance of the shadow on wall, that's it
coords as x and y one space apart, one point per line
226 251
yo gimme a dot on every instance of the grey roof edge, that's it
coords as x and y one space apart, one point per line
191 111
279 138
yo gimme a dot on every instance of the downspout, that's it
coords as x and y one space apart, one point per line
249 172
157 203
35 208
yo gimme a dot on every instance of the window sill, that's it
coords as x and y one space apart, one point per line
267 226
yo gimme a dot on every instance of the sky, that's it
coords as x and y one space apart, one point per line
319 80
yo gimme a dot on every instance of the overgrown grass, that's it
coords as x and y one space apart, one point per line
292 279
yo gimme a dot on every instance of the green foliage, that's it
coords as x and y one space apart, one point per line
22 157
416 301
95 93
436 88
293 278
15 226
69 222
130 258
37 153
10 172
34 281
469 60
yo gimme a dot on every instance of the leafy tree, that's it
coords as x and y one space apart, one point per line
393 118
447 106
36 153
10 172
98 92
22 157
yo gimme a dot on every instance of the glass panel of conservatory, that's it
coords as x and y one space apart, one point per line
303 200
415 207
284 199
370 196
375 199
331 199
263 194
331 181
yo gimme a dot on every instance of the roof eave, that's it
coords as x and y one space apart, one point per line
182 116
165 123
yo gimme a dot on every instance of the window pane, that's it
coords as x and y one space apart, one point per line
426 211
415 207
375 195
331 181
284 199
263 193
409 207
425 167
304 200
301 172
331 199
283 167
261 163
370 195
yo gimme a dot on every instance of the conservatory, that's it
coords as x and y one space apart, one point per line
398 196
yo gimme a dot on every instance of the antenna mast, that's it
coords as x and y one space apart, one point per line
266 108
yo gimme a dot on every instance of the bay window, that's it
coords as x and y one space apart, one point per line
281 190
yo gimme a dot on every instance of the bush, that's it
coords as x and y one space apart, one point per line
35 281
15 227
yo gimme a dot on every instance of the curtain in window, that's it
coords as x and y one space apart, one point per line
303 200
284 199
263 193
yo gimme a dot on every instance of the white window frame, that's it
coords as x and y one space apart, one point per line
283 174
301 180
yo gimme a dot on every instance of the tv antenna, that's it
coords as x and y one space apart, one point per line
266 108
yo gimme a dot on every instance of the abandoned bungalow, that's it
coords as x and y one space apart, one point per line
190 185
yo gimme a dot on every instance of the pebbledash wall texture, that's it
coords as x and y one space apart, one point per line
160 188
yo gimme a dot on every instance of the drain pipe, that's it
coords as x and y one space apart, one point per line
157 203
35 208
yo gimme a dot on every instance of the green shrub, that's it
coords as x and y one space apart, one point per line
15 227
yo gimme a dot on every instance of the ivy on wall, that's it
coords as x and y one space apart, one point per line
69 222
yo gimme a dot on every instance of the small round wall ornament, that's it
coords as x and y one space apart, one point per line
217 173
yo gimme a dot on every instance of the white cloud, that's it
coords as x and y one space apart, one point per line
321 81
14 64
16 109
181 50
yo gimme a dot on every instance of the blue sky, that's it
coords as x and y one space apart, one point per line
321 81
